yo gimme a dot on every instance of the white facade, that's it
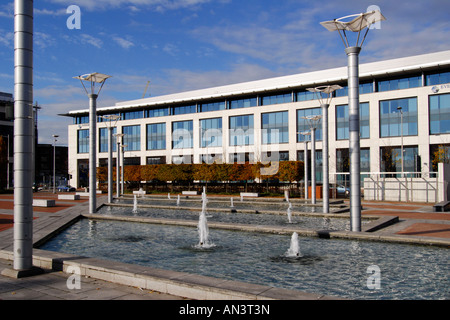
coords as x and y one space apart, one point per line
370 74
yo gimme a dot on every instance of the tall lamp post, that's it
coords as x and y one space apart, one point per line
93 79
118 136
358 23
305 161
111 120
123 146
23 137
400 109
54 161
325 104
313 121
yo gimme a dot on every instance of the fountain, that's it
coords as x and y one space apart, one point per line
178 200
289 212
231 203
168 196
286 195
294 249
203 230
135 210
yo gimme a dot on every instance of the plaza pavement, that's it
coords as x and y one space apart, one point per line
115 281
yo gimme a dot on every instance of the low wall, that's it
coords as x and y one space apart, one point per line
402 189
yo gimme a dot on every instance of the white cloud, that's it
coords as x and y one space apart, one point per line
124 43
6 38
96 42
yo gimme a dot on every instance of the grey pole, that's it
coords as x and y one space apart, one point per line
118 170
92 153
306 168
326 183
23 134
313 165
122 168
353 105
110 165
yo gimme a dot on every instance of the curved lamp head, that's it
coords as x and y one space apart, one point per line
359 22
93 78
325 91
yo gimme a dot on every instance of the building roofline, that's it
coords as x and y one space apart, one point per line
309 79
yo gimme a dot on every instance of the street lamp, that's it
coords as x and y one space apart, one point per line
111 120
324 104
93 79
123 146
400 109
54 162
313 121
358 24
305 162
118 136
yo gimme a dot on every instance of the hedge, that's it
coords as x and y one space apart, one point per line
283 171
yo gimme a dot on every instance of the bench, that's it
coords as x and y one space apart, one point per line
140 192
189 193
82 194
43 203
68 197
250 194
441 206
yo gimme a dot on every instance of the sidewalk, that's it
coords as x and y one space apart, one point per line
416 221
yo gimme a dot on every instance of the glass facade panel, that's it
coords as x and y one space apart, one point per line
156 136
130 115
214 106
400 83
364 88
277 99
391 118
440 114
342 121
391 159
243 103
275 127
160 112
303 125
241 130
437 78
103 140
132 138
83 141
211 132
182 134
184 109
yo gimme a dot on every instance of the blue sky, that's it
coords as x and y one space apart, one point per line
180 45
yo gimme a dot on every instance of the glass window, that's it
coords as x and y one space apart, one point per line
83 141
103 140
277 99
275 127
440 114
366 87
391 159
241 130
342 121
156 136
303 124
391 117
182 134
130 115
81 120
214 106
211 132
132 138
437 78
184 109
243 103
343 164
400 83
160 112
